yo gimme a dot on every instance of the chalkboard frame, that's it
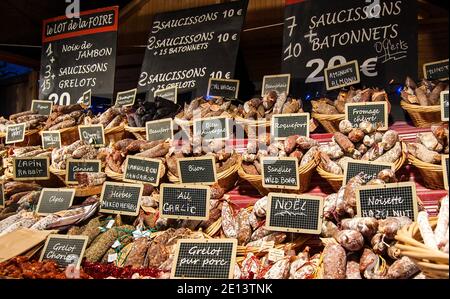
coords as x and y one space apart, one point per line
53 190
81 127
73 237
358 75
270 227
277 116
385 109
412 185
163 187
425 65
138 204
125 92
295 160
156 122
22 138
42 101
31 178
159 91
443 110
158 176
204 241
238 82
50 132
2 198
203 158
201 120
68 161
287 76
445 159
346 179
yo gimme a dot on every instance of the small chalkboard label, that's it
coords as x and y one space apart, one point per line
126 98
294 213
65 250
15 133
201 170
285 125
170 94
280 173
444 105
2 194
223 88
214 128
390 200
51 139
86 99
445 169
374 112
343 75
436 70
184 202
42 107
204 259
30 169
54 200
159 129
142 170
121 198
92 134
278 83
73 166
368 169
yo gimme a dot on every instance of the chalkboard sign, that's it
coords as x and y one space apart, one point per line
121 198
204 259
92 134
343 75
79 54
444 106
445 168
200 170
2 195
184 202
187 47
437 70
278 83
159 129
374 112
380 35
142 170
280 173
30 169
390 200
126 98
285 125
223 88
73 166
15 133
51 139
42 107
214 128
54 200
64 249
368 169
294 213
170 94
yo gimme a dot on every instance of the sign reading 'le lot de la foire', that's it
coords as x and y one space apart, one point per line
186 48
79 54
380 35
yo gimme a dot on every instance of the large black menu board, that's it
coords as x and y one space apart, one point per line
381 35
184 46
79 54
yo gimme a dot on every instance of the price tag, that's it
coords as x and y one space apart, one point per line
444 106
92 134
373 112
121 199
214 128
184 202
65 250
445 169
436 70
170 94
142 170
126 98
112 257
159 129
280 173
200 170
278 83
15 133
368 169
30 169
86 99
42 107
343 75
51 139
275 254
73 166
223 88
54 200
286 125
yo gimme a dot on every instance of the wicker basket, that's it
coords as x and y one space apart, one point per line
423 116
113 175
69 135
87 191
305 174
138 132
330 122
336 180
432 174
115 134
32 138
251 126
433 263
55 171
